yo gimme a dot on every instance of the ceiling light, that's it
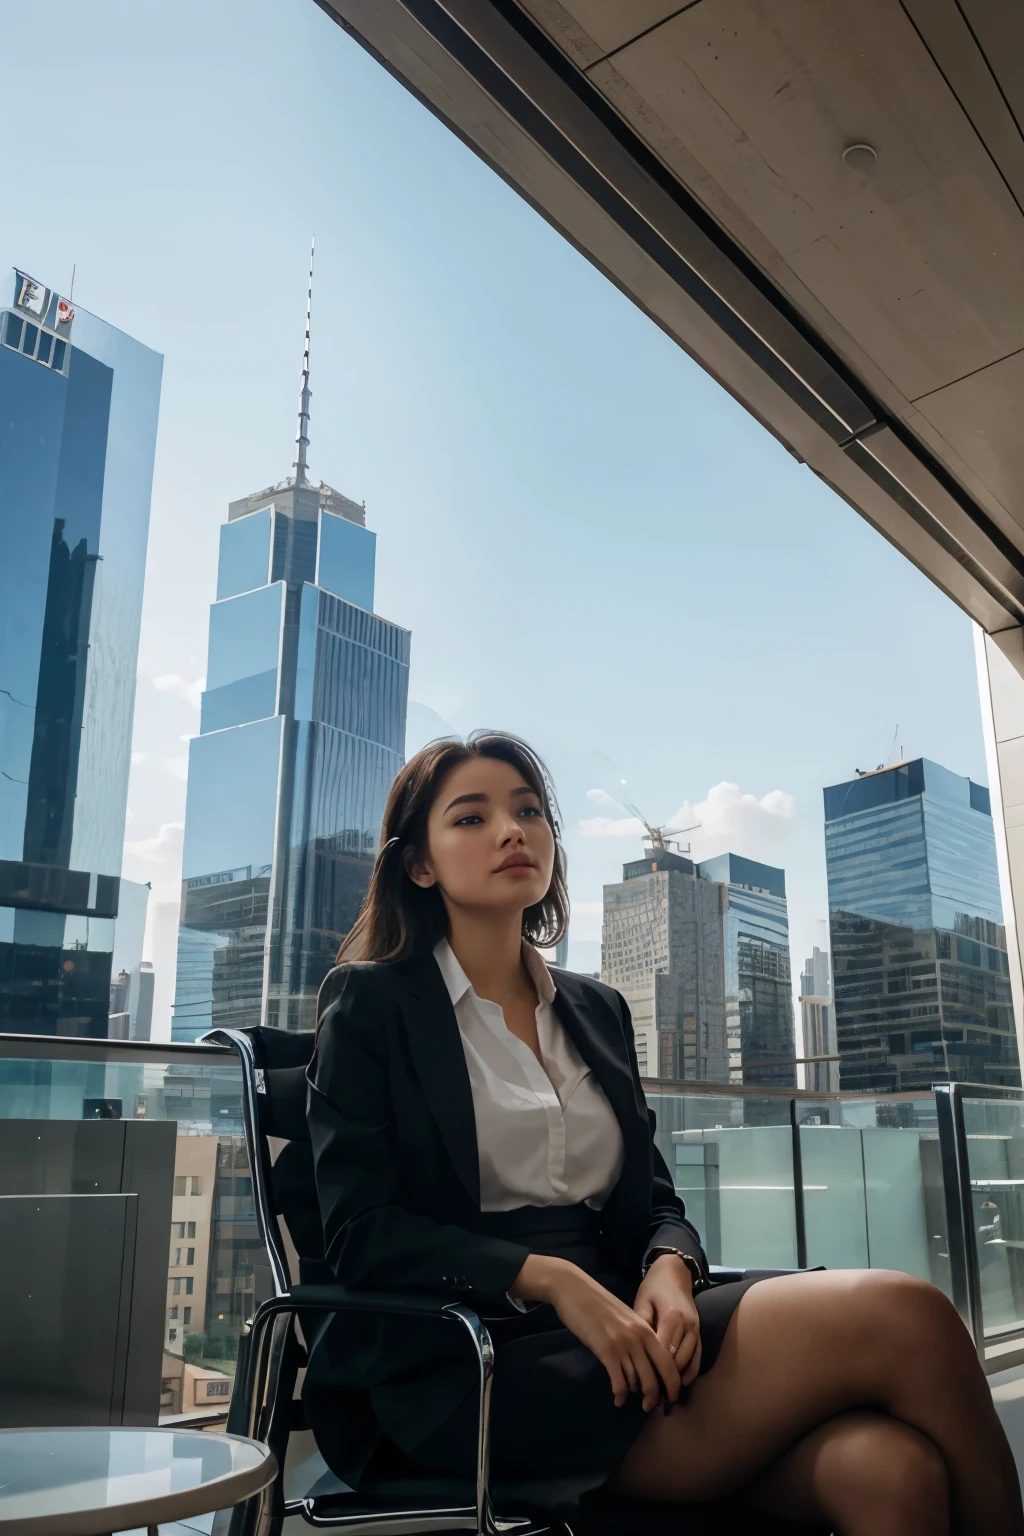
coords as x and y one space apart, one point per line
860 157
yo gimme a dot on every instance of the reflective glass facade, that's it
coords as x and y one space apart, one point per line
78 416
302 731
758 982
920 973
662 947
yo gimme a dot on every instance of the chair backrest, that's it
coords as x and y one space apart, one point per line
274 1063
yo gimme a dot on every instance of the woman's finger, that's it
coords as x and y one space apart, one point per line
645 1309
648 1376
620 1387
692 1370
630 1374
683 1352
665 1366
670 1329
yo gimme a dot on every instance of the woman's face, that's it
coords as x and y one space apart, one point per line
489 843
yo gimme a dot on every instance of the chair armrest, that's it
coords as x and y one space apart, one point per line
338 1298
722 1273
335 1298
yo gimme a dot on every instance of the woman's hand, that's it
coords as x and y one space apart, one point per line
665 1302
626 1345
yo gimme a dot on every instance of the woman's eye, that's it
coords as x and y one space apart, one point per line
464 821
531 810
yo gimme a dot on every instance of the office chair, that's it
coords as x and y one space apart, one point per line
272 1351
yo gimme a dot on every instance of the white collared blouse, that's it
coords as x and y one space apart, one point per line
546 1135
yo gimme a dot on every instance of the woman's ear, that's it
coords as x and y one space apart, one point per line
419 873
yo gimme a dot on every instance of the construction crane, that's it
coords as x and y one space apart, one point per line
662 837
657 837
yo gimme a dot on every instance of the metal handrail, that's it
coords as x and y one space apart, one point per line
197 1053
76 1048
698 1086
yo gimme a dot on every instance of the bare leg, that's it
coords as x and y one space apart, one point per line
801 1349
859 1474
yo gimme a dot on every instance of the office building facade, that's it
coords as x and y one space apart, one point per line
302 730
817 1021
78 417
758 976
919 963
663 948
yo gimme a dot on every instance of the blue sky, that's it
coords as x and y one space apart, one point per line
591 543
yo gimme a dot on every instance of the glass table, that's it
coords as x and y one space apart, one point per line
85 1482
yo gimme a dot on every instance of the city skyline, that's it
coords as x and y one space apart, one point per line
724 798
593 544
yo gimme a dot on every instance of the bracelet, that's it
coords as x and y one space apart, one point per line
700 1279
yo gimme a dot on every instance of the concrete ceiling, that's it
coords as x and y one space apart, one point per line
868 310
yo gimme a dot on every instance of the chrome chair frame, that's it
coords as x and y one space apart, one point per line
256 1410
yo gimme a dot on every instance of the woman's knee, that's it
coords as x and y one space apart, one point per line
876 1465
899 1313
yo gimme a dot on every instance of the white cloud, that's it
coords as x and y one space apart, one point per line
731 821
181 688
602 797
163 848
139 757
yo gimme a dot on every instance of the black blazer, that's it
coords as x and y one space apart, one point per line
392 1127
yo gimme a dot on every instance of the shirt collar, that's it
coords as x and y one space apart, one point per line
458 983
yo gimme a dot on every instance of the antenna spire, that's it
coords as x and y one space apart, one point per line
302 436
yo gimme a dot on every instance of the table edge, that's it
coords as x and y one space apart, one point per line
231 1488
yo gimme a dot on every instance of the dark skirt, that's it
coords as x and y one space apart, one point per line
552 1411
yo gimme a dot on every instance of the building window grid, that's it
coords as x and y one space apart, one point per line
34 342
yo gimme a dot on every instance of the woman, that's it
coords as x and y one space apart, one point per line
480 1133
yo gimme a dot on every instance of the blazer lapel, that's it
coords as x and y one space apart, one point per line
436 1045
599 1048
599 1043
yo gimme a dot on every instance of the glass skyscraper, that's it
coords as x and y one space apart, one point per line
758 981
919 966
662 947
78 417
302 731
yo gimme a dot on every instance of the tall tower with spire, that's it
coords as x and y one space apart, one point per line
302 730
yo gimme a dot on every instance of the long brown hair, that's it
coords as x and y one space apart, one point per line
400 919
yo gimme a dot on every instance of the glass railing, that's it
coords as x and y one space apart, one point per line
778 1182
732 1161
127 1198
158 1131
